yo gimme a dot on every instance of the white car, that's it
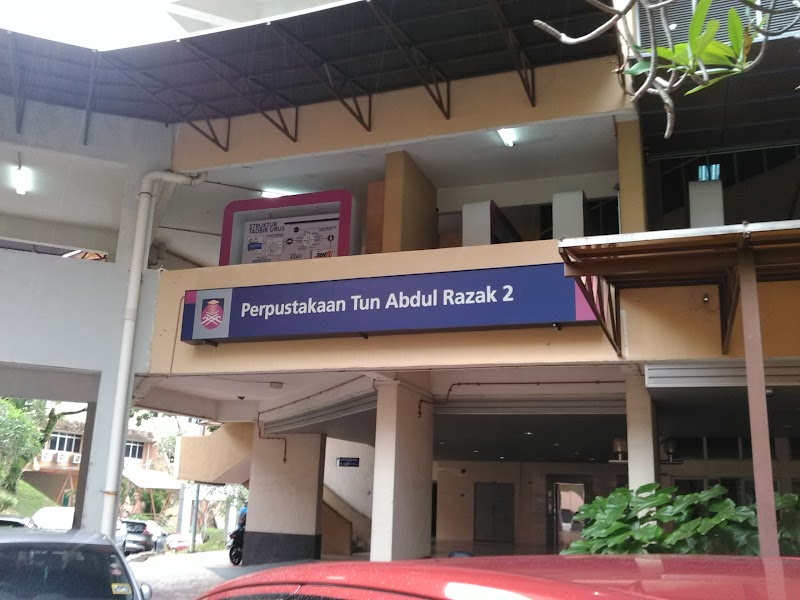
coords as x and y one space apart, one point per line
60 518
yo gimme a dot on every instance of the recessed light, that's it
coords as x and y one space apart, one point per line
509 136
474 451
556 444
502 458
273 193
577 453
441 443
528 433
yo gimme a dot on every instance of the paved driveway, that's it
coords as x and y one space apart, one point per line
185 576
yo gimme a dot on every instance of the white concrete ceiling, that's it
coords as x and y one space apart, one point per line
67 188
193 223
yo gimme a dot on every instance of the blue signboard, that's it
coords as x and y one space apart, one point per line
347 461
501 297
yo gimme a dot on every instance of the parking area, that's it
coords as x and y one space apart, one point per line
185 576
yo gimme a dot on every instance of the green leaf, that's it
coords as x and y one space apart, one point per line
647 488
710 83
643 66
717 53
619 538
704 39
639 504
696 25
648 533
714 492
735 34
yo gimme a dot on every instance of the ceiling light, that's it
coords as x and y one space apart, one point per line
556 444
528 433
273 193
474 451
509 136
502 458
276 385
70 254
21 178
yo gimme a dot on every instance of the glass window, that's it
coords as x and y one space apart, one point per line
64 442
134 450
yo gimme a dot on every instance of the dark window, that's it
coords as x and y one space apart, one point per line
689 448
794 448
64 442
689 486
722 448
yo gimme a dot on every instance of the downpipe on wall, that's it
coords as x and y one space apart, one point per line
119 417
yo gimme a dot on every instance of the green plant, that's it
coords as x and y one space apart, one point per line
7 500
703 59
653 520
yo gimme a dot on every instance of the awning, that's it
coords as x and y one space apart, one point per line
602 265
148 479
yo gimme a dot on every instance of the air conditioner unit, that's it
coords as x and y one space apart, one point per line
76 459
47 456
62 457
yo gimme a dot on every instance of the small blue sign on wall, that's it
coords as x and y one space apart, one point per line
347 461
480 298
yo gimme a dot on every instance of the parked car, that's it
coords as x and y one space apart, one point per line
60 518
139 538
65 565
654 577
9 521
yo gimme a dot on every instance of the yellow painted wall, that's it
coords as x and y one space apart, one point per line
675 323
477 104
409 206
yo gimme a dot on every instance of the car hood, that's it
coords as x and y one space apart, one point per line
663 577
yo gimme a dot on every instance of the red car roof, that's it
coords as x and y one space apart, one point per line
663 577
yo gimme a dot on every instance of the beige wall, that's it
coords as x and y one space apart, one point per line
373 228
481 103
675 323
632 204
395 352
658 324
456 497
337 532
409 206
209 457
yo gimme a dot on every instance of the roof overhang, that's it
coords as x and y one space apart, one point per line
603 265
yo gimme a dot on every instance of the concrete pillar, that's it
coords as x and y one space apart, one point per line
86 453
476 224
410 220
632 201
401 499
285 502
642 454
706 207
97 434
568 215
373 238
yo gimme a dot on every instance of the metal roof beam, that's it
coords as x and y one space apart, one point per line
343 88
436 84
210 134
522 62
280 123
17 83
88 111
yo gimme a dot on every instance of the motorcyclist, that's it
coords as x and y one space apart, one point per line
241 520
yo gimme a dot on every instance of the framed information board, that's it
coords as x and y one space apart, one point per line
316 225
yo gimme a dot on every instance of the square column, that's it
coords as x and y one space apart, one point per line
568 215
706 204
285 503
632 197
401 500
642 455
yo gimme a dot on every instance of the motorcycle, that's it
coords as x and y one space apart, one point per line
236 546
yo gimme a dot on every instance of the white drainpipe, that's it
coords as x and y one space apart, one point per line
119 419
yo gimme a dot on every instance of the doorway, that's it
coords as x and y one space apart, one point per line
494 512
565 495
